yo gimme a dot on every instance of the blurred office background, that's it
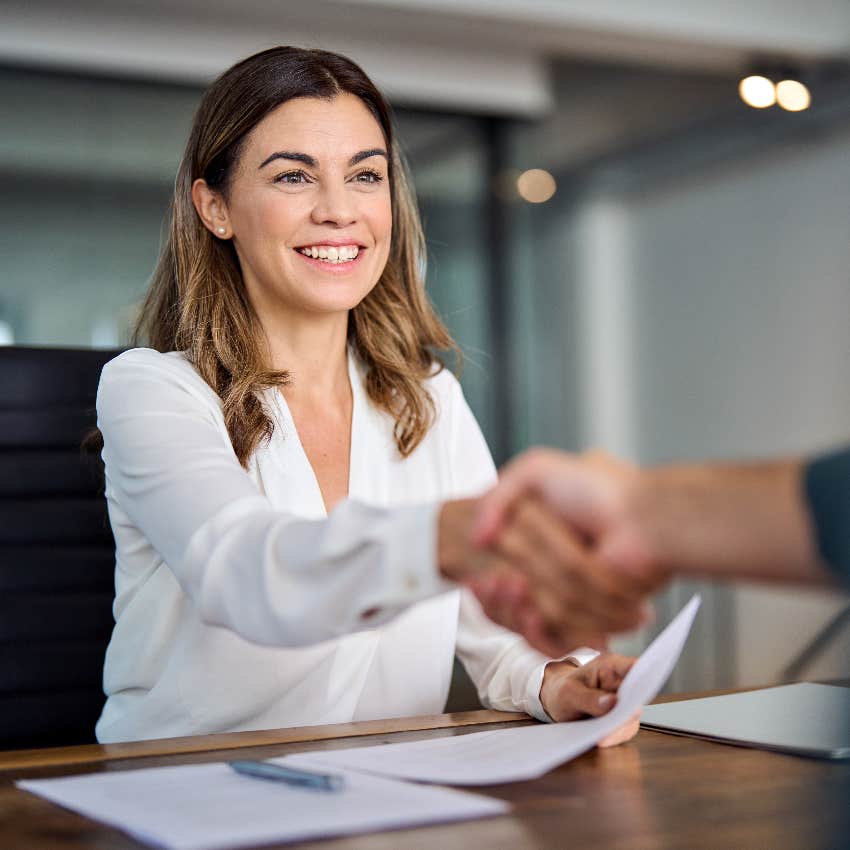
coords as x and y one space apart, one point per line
685 292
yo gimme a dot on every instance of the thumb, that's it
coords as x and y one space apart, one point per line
571 488
627 551
592 701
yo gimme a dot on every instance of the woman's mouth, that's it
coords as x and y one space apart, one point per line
331 254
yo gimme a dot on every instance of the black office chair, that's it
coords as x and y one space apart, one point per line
56 549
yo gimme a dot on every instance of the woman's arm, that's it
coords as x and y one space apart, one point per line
270 577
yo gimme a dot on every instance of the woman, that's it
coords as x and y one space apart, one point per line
285 465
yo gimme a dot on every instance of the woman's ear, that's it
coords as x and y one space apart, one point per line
211 209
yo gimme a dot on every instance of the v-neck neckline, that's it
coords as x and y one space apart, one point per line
354 381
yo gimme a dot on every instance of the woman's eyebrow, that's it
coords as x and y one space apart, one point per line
296 157
359 157
312 162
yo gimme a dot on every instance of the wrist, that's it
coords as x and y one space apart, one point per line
454 550
553 674
649 500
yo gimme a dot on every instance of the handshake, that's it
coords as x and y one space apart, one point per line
566 549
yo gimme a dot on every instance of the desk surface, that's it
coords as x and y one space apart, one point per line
658 791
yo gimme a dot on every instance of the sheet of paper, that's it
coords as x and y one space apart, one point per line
210 807
510 755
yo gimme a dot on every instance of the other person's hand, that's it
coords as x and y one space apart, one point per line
536 577
596 495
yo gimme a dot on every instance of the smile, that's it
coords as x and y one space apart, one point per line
333 254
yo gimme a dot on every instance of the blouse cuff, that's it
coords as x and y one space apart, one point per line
411 553
415 541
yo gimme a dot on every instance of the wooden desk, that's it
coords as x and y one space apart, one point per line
658 791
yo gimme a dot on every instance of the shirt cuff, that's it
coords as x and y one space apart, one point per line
411 555
417 527
580 657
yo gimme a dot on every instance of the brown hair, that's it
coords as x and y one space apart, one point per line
197 301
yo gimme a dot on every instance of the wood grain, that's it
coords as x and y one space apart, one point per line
656 792
61 756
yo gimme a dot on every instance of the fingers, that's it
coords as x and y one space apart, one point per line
569 692
515 592
569 597
505 598
572 699
584 491
571 587
613 669
523 475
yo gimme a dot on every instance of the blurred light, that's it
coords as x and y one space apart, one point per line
536 185
7 335
756 91
792 95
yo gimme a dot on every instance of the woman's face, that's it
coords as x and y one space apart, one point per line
309 206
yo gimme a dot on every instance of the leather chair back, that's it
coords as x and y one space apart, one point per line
56 549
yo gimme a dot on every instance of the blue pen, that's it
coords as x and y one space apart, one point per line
289 775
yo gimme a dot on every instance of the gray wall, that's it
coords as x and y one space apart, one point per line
706 316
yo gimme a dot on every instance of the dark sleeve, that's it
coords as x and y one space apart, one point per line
827 486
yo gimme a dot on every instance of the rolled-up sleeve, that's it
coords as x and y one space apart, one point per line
827 489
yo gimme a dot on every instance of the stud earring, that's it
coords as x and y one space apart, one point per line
221 230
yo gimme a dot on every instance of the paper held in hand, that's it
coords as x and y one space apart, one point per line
510 755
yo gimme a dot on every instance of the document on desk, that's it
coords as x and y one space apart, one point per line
511 755
210 807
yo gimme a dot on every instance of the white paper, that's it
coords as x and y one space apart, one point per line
209 806
510 755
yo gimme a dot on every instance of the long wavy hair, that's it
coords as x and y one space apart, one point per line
197 301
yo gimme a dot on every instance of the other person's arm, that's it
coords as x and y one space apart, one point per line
773 521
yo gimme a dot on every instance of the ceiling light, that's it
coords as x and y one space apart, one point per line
536 185
792 95
757 91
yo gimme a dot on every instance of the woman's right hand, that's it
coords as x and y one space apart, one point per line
537 577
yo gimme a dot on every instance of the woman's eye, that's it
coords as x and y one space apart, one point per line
291 178
369 177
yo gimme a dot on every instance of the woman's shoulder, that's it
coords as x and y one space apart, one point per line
148 361
447 394
442 384
170 369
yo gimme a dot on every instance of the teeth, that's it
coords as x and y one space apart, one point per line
331 253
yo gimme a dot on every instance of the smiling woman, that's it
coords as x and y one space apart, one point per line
335 204
289 148
290 472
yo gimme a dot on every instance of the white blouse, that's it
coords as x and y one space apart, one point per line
241 605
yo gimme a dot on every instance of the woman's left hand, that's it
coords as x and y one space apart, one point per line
570 693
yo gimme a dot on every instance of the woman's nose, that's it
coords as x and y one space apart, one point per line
334 205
